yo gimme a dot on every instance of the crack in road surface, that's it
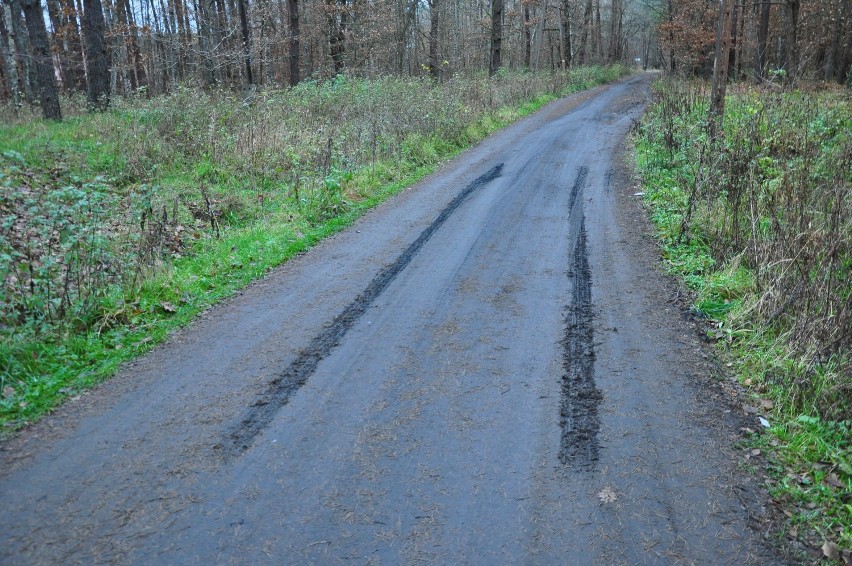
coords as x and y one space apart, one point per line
263 410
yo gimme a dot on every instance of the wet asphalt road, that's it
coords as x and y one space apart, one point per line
477 372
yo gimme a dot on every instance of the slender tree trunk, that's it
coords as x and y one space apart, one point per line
583 48
762 37
496 37
8 80
42 59
434 64
293 12
720 68
97 56
60 46
27 80
75 45
791 50
527 35
246 41
567 48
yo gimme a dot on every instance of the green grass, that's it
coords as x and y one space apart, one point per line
120 201
726 213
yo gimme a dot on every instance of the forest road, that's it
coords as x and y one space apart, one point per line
486 369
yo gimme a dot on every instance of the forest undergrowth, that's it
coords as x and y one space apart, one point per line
758 223
118 227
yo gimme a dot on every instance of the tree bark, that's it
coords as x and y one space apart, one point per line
583 48
567 48
42 59
97 56
527 35
762 38
720 68
496 37
246 41
434 64
293 13
8 86
27 80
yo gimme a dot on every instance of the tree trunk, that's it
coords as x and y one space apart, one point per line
527 35
27 80
567 48
791 48
60 45
434 64
246 41
496 37
583 48
293 12
75 45
720 68
8 80
615 32
42 59
762 38
97 56
336 34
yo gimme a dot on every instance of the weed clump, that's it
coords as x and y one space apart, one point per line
759 224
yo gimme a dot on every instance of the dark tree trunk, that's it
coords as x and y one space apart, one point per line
791 47
720 68
97 56
27 80
7 64
732 52
527 36
57 22
615 32
583 48
496 37
293 12
434 64
567 48
246 41
337 34
75 46
42 60
762 38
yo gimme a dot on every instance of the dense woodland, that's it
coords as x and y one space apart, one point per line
149 47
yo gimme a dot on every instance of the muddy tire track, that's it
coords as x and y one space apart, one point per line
264 409
580 396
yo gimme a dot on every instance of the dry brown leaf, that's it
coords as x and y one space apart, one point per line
8 392
829 550
168 307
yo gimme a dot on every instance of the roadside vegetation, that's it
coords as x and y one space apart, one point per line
118 227
758 223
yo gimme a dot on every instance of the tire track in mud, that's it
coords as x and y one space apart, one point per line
279 391
580 396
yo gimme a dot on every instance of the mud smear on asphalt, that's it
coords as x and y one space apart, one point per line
264 409
580 397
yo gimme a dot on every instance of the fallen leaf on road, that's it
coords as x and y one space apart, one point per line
607 495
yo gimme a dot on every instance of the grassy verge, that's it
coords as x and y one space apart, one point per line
118 228
758 223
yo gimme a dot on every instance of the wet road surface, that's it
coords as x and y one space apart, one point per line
480 371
